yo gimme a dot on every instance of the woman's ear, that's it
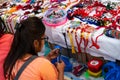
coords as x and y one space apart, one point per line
36 44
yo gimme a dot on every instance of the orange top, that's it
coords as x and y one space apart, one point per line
5 44
38 69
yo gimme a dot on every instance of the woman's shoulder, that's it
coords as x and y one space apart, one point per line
41 60
42 64
6 41
7 37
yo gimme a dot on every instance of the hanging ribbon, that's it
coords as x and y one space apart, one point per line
71 39
4 17
77 42
94 43
15 20
86 41
84 35
10 18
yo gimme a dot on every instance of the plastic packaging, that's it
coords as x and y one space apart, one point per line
112 33
47 48
59 57
55 17
68 67
95 65
95 74
45 51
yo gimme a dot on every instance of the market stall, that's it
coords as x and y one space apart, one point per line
84 28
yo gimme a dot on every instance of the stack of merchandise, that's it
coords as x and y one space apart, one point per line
95 67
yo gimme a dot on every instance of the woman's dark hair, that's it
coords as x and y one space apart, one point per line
27 31
3 28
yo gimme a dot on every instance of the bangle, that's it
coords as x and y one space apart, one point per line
23 17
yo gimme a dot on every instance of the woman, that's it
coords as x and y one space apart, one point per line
5 44
28 41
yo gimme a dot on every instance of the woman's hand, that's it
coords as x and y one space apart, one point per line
60 67
53 54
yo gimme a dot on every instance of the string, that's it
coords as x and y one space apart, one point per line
66 45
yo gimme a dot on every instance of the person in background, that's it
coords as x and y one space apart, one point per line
28 41
5 44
